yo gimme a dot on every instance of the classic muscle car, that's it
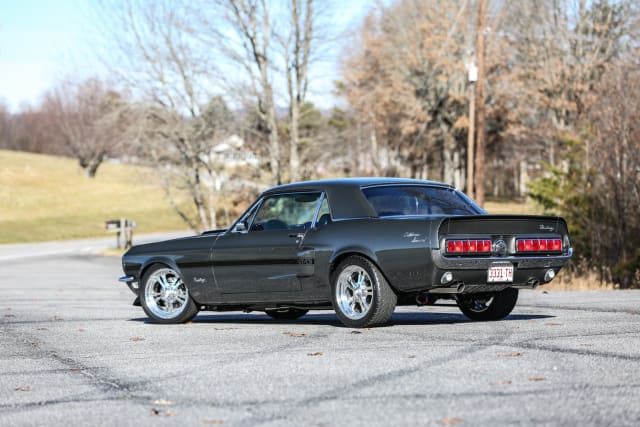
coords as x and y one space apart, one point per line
359 246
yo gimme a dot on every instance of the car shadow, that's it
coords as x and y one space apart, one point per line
330 319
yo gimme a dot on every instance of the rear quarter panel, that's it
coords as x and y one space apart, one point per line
400 247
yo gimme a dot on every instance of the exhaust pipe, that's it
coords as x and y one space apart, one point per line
450 290
531 284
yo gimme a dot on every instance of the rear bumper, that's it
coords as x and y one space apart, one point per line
529 272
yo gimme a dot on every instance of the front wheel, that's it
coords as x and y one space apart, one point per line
361 295
488 305
165 297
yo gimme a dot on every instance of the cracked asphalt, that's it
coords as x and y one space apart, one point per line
73 351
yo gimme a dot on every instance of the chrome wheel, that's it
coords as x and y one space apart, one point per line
166 295
354 292
480 304
488 306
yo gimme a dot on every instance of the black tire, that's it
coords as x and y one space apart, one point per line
488 306
186 311
286 313
379 299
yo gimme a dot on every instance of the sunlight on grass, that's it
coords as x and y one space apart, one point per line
49 198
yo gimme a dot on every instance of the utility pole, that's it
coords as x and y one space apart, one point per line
473 77
480 27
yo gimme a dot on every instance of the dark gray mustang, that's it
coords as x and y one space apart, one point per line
357 246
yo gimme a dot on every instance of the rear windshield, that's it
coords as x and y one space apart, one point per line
419 200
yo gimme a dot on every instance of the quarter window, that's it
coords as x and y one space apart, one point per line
286 212
418 200
324 214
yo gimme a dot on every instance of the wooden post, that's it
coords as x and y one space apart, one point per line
470 138
480 104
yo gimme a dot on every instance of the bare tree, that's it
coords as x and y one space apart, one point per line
297 51
251 48
177 120
88 117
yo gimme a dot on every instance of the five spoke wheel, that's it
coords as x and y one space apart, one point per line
362 296
165 297
355 292
488 306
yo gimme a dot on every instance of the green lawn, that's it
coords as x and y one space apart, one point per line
49 198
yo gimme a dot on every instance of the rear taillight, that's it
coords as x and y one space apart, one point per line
539 245
468 246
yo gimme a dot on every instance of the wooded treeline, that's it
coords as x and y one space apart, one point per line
560 108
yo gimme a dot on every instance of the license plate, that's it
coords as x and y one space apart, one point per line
500 274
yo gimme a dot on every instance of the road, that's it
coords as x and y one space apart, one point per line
73 351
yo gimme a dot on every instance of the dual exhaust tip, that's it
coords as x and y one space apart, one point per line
447 278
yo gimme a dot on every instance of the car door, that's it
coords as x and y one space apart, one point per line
258 259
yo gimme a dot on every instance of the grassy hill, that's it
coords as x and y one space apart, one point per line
49 198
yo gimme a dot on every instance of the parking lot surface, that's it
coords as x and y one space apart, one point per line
74 351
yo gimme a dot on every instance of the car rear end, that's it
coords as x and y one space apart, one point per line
493 252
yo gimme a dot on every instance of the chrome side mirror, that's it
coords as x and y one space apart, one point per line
240 227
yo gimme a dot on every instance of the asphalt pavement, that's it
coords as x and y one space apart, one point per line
74 351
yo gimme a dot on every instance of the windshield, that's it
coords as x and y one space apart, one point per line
419 200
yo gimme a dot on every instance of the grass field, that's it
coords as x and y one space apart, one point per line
49 198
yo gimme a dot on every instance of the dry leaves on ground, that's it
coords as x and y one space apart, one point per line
295 334
512 354
23 388
356 332
507 382
9 315
536 378
450 421
163 402
213 422
553 324
162 413
136 339
56 318
317 353
81 330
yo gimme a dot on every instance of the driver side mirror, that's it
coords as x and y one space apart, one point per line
240 227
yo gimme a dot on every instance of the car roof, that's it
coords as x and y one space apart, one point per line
323 184
344 194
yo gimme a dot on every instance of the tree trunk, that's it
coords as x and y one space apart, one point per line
91 166
294 159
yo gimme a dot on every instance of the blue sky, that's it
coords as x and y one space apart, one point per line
37 41
42 41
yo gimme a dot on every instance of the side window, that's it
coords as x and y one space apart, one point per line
286 212
324 214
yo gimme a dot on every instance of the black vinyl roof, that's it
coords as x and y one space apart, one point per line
344 194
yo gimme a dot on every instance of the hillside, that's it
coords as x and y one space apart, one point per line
49 198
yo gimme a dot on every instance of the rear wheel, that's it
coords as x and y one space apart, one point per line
488 305
165 297
286 313
361 295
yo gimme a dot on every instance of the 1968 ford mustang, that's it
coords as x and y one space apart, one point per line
358 246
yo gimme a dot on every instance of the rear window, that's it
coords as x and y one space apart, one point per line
418 200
